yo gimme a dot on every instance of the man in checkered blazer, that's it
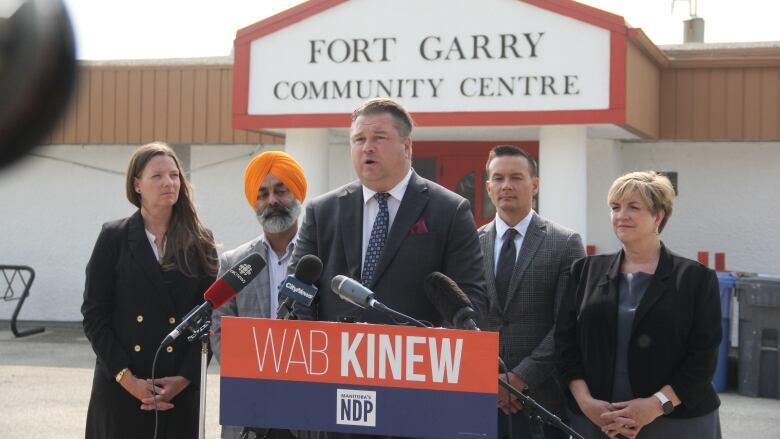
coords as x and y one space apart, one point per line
526 260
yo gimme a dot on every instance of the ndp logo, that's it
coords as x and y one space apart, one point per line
356 407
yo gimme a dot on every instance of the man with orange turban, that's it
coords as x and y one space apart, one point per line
275 187
280 165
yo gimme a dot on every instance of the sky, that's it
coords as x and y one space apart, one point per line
144 29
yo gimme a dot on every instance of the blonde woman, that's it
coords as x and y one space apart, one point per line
639 330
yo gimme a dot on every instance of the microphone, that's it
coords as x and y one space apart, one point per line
299 288
451 302
222 290
455 307
355 293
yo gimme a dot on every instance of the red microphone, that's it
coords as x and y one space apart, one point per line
234 280
222 290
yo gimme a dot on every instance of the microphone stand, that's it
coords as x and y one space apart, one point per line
201 330
462 319
379 306
540 414
290 311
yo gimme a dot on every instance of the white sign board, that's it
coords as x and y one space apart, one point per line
433 56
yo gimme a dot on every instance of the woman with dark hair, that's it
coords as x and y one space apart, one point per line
639 330
147 271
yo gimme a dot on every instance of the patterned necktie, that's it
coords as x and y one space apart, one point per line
377 241
506 265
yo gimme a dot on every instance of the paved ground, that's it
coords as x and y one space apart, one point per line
45 381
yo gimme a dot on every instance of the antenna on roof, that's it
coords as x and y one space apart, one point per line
692 6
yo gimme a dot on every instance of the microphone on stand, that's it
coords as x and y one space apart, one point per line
455 307
451 302
355 293
222 290
299 288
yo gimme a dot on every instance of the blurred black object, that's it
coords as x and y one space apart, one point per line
38 72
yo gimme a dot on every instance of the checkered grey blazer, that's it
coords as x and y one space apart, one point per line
525 321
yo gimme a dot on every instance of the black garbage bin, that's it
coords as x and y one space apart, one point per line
759 326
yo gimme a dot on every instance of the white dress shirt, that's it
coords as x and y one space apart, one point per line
277 271
153 242
371 209
502 227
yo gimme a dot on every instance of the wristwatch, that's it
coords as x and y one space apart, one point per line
121 373
666 404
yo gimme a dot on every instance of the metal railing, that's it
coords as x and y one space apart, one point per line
14 277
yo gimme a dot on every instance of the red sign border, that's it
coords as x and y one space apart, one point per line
615 114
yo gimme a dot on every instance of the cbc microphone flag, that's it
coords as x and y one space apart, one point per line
358 378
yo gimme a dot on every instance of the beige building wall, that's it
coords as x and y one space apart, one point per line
643 82
135 102
731 93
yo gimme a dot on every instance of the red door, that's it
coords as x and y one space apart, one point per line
460 167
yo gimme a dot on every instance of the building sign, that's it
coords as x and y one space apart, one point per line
434 56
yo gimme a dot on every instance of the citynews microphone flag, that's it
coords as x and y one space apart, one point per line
358 378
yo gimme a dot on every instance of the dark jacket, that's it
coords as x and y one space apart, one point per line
674 338
433 230
129 306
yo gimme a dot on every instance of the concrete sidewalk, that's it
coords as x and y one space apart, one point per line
45 380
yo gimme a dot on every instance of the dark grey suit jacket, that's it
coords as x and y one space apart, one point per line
433 230
525 322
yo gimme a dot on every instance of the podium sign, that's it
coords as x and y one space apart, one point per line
358 378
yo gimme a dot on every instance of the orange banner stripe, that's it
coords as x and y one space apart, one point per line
360 354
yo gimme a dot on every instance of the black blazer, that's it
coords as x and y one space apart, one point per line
674 339
129 306
433 230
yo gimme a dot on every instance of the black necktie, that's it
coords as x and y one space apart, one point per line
506 265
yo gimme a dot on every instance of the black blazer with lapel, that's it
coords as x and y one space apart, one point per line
674 339
129 306
332 229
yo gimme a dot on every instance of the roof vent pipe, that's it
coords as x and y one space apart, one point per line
693 30
693 27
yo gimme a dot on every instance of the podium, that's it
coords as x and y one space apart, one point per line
358 378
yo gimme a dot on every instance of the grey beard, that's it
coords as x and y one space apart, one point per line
279 223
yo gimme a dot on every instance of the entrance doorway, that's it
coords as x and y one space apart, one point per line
460 167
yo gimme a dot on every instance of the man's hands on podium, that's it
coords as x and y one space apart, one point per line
507 402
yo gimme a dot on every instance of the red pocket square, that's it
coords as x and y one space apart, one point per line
419 227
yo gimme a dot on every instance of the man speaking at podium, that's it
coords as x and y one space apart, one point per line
275 187
390 229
